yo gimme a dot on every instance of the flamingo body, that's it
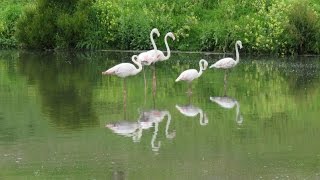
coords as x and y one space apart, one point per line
148 57
224 63
191 74
188 75
227 63
156 55
124 69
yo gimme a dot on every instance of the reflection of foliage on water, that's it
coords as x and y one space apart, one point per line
301 74
14 101
65 85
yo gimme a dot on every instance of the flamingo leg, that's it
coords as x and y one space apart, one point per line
225 76
145 86
124 98
154 85
154 79
189 92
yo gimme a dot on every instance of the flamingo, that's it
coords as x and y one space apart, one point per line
158 55
192 111
228 103
125 69
227 63
191 74
151 54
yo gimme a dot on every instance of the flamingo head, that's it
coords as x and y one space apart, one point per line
170 34
156 31
205 64
239 43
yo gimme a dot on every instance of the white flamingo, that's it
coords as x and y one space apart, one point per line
158 55
227 63
192 111
151 54
191 74
125 69
229 103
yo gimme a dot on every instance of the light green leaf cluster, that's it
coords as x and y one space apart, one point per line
265 29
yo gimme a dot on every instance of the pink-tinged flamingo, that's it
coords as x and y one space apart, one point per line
227 63
191 74
125 69
151 54
159 55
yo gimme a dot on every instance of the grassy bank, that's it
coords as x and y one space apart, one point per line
264 26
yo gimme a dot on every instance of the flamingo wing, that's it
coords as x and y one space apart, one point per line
122 70
148 57
188 75
224 63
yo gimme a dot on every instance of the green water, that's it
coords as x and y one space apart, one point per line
57 113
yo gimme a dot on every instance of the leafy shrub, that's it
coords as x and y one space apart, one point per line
265 30
8 18
304 28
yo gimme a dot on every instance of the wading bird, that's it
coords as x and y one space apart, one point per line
191 74
151 54
159 55
125 69
227 63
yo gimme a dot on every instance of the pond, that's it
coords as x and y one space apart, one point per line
60 118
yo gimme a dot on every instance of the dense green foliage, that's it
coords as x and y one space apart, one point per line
264 26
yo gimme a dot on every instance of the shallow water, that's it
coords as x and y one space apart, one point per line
60 118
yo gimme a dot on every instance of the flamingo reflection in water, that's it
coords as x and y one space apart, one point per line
192 111
127 129
152 118
228 103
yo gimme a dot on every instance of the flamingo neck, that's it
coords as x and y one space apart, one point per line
167 46
201 68
138 63
237 54
152 40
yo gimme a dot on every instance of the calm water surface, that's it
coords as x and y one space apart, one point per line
60 118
